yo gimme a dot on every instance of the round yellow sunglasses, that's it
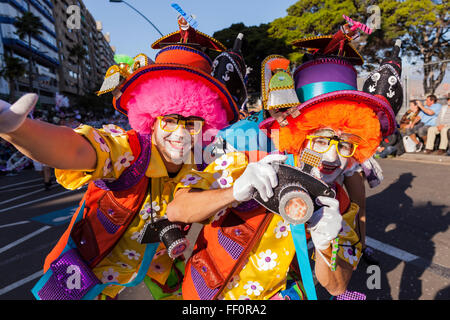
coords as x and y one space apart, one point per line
345 146
171 123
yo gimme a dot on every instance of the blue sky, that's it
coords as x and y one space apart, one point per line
131 34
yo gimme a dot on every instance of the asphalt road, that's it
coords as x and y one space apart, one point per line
408 226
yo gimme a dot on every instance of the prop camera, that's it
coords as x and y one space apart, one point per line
173 235
297 189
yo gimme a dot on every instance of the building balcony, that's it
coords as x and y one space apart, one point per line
22 47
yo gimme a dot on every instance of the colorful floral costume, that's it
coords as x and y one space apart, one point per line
130 183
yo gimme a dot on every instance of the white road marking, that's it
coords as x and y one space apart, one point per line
19 183
37 200
23 239
20 283
22 196
23 188
14 224
390 250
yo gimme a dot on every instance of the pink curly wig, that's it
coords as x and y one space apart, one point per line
171 95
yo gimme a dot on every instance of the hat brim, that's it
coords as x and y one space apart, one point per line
381 107
180 71
201 39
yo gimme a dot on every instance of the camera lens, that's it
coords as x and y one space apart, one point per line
173 238
296 207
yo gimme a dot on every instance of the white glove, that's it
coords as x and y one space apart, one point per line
325 223
260 176
13 116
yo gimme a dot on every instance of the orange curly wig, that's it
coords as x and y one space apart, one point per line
344 115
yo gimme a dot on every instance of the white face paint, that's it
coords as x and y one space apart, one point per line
174 146
333 164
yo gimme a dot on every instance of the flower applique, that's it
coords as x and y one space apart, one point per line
223 162
282 229
107 167
135 235
253 288
345 229
124 161
110 276
219 215
267 260
223 180
131 254
157 267
190 179
350 252
113 130
102 142
150 210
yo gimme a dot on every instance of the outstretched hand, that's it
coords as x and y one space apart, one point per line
13 116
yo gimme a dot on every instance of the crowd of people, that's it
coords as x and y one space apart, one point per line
424 128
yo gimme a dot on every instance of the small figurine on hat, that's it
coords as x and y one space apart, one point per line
120 234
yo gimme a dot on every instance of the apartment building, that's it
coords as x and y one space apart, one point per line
100 54
54 70
43 48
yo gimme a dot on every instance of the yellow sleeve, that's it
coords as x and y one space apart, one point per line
349 245
113 151
219 174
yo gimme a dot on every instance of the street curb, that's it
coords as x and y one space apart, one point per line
422 157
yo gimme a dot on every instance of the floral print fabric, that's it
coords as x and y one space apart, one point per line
114 155
264 274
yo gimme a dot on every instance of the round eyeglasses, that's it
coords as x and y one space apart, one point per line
171 123
345 145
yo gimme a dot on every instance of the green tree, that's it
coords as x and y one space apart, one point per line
78 52
27 27
422 25
13 69
315 17
256 46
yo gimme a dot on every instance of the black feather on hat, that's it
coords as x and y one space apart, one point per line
230 69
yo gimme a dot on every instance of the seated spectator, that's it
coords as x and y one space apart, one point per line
388 146
407 124
442 127
428 115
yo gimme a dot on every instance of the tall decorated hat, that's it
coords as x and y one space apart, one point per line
323 85
178 82
230 69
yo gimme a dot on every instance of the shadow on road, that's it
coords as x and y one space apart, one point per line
410 227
